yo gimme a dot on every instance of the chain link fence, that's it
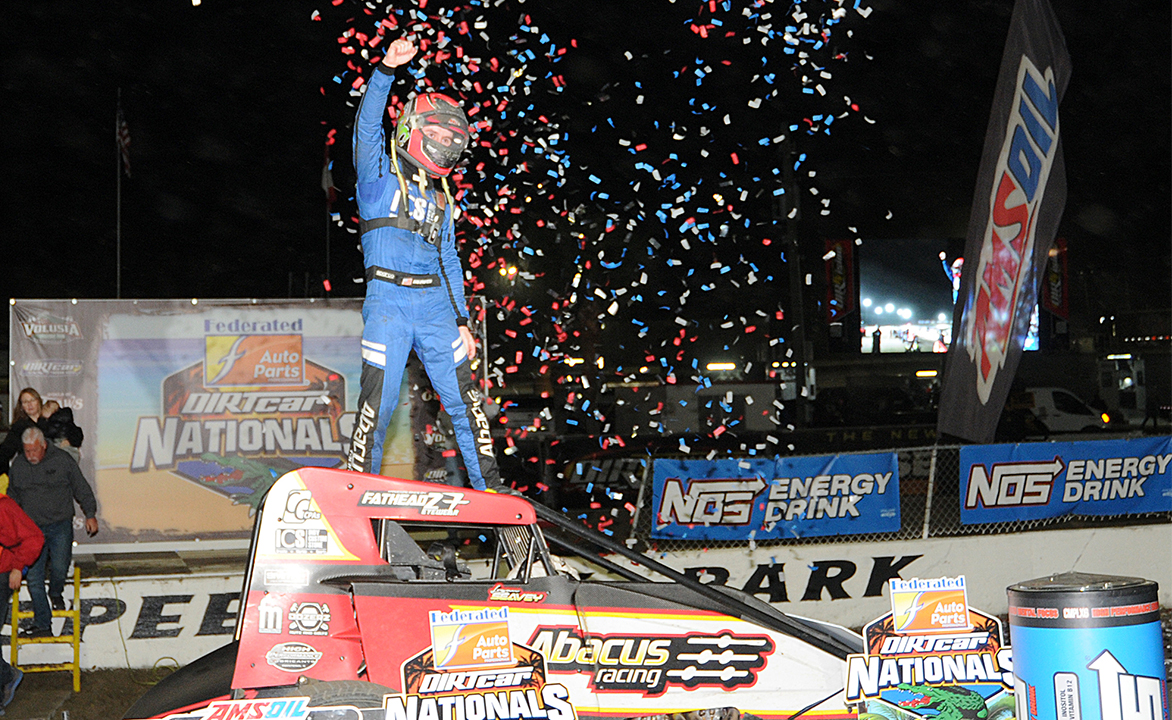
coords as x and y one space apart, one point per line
615 496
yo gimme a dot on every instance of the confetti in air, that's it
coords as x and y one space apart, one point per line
625 198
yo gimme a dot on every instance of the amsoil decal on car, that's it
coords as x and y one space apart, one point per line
427 503
500 593
291 708
517 692
931 658
650 664
293 656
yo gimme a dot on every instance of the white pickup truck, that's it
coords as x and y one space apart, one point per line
1062 411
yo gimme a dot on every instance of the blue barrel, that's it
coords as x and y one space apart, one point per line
1087 647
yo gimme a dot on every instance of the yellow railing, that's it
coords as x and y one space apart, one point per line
73 638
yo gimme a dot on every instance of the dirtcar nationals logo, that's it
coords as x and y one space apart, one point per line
516 690
949 662
254 405
650 664
1004 270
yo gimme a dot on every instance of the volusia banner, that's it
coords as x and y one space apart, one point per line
1019 198
774 499
1034 481
192 409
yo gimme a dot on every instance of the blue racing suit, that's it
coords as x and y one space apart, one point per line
414 300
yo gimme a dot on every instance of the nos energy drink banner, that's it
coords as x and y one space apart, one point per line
773 499
190 410
1032 481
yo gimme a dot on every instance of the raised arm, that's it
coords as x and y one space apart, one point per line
370 154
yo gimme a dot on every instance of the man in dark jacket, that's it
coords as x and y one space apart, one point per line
20 546
45 482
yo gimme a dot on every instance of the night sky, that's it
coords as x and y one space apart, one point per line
229 105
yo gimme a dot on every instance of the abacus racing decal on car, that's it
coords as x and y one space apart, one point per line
650 664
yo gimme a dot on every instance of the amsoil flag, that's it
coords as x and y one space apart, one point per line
1020 194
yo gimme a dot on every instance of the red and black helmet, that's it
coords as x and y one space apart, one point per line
438 111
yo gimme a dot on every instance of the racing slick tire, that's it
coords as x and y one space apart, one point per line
359 693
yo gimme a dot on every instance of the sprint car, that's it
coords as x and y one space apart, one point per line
372 598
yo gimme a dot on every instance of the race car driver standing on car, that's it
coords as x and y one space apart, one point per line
414 281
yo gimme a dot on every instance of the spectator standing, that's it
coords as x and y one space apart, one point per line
21 542
25 415
45 481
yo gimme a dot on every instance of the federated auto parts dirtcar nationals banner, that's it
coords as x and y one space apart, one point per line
192 409
1032 481
781 498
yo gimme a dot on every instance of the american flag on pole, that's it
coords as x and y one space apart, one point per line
122 136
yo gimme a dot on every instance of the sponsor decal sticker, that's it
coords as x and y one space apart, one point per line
269 617
650 664
939 605
309 618
303 541
500 593
293 656
427 503
290 708
299 507
286 576
471 638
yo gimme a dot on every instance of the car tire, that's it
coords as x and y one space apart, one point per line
359 693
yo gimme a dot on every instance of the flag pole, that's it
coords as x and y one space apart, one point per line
118 212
